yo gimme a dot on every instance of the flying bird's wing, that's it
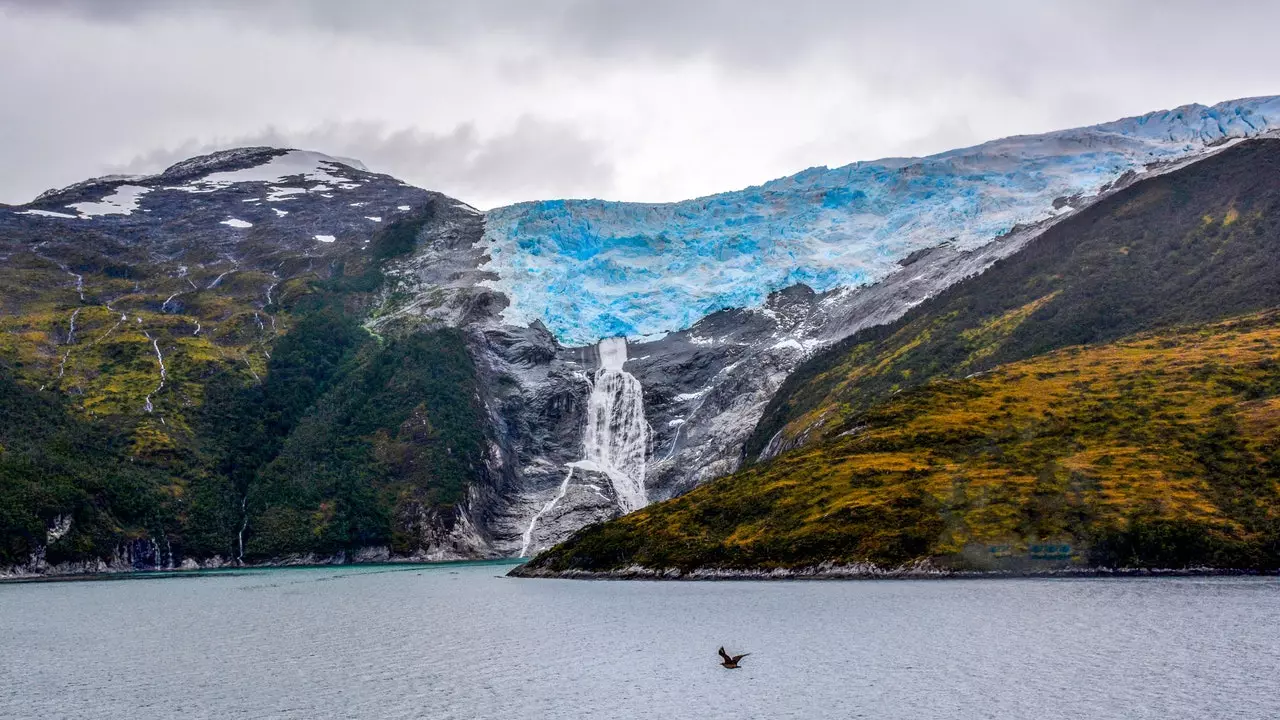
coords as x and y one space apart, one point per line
736 658
725 655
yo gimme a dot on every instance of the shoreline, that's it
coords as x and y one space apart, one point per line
180 572
854 572
920 571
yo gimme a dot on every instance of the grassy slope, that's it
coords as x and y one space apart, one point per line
1159 450
1196 245
235 398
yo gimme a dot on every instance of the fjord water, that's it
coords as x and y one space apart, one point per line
460 641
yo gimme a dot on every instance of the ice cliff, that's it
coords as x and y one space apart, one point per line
590 269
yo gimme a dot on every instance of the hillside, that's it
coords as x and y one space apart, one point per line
1196 244
186 376
1009 411
1160 450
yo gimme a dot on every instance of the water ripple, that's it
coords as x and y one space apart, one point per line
459 642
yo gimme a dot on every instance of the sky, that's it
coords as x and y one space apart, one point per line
500 101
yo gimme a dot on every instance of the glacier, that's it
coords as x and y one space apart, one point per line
594 269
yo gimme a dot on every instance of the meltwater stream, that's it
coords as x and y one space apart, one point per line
462 642
615 441
617 435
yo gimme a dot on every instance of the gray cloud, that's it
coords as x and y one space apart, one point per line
536 158
756 32
498 100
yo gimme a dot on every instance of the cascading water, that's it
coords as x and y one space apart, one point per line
616 440
527 538
617 436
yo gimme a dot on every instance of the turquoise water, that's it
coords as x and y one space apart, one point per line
460 641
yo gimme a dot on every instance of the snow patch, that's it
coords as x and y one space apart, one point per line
48 213
121 202
325 238
686 397
236 223
279 194
351 163
312 166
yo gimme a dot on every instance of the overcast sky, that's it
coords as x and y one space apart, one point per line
496 102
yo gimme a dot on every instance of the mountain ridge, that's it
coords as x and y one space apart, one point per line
658 267
313 362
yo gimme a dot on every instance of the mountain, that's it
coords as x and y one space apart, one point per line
910 227
1107 396
203 325
281 356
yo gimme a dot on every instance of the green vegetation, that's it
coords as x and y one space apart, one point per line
284 424
400 431
1162 450
55 465
1195 245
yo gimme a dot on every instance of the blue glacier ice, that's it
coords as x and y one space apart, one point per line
591 269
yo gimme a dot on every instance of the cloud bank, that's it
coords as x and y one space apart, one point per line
503 100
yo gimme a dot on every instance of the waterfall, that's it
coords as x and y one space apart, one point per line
155 343
617 436
527 538
616 440
244 523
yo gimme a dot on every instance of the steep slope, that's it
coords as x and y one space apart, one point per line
324 362
207 324
1194 245
1161 450
58 467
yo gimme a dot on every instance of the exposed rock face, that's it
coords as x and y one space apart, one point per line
703 388
236 210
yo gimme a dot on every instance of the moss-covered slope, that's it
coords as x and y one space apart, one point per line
233 407
1195 245
1160 450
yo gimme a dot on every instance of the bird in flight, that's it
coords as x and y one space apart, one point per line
731 661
